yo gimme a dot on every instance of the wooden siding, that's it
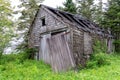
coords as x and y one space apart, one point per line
55 51
52 23
44 51
78 47
87 43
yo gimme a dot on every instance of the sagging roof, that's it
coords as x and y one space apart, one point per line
81 22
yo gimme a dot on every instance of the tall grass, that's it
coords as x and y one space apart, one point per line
12 68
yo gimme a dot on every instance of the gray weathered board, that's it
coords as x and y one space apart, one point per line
54 50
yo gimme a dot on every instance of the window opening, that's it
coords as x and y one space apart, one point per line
43 21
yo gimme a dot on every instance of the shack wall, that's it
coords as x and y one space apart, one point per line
78 47
51 24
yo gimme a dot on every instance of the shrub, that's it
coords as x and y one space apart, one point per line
99 56
102 59
29 53
117 45
7 58
0 55
20 57
97 60
99 46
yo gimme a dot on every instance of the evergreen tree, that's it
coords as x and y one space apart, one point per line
69 6
91 10
86 8
99 12
112 21
5 24
28 14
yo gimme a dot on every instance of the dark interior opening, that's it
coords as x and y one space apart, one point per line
55 33
43 21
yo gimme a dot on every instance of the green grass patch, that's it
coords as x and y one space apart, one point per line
12 68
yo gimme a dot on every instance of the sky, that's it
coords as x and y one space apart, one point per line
51 3
54 3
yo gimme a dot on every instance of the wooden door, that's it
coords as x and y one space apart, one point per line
60 52
56 51
44 53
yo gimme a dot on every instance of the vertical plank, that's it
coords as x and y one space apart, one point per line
60 53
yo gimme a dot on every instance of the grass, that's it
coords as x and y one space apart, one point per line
37 70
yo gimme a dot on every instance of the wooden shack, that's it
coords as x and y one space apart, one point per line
64 40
